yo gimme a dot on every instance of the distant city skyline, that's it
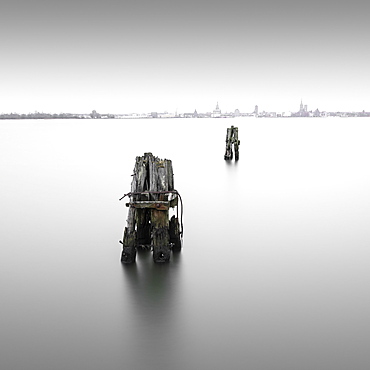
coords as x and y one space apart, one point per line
303 111
215 110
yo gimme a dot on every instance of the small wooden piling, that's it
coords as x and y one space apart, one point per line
148 224
232 139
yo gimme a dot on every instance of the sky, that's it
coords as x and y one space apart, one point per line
159 55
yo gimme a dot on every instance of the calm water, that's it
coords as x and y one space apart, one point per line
274 272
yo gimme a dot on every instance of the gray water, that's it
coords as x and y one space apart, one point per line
274 271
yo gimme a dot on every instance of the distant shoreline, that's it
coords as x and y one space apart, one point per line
154 115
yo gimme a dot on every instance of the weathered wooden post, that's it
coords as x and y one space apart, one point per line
232 138
236 142
148 225
229 149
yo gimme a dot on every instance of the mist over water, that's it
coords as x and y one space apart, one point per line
274 268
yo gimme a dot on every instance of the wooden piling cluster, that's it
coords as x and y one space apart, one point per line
148 223
232 139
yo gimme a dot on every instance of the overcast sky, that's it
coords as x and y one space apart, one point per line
161 55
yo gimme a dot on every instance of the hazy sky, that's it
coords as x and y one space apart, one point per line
149 55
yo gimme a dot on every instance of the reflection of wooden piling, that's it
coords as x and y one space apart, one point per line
148 225
232 138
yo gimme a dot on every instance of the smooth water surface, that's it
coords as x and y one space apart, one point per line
274 272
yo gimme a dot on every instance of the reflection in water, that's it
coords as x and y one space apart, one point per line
149 282
231 163
153 290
